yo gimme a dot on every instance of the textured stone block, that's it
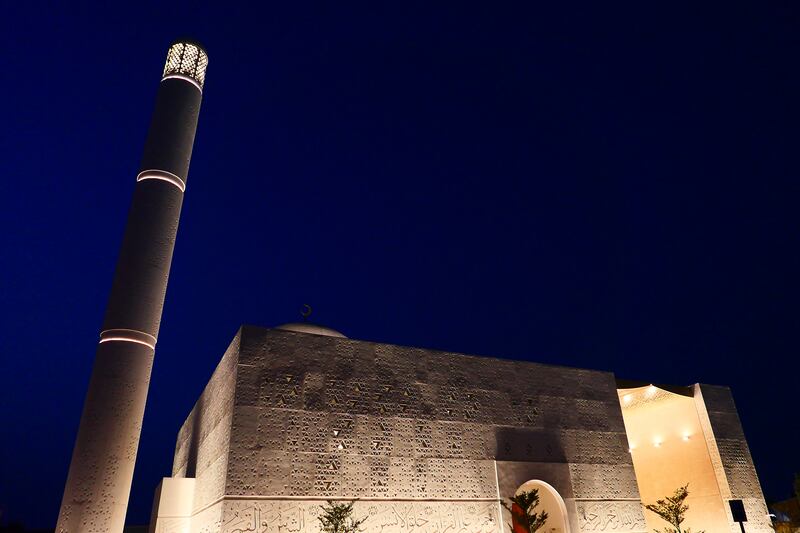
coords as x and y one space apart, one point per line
424 440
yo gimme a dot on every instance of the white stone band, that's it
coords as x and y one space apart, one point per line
184 78
162 175
128 335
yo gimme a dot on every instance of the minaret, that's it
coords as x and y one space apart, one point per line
99 480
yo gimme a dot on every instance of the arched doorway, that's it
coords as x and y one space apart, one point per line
549 500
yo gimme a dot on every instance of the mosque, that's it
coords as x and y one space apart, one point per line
429 441
422 440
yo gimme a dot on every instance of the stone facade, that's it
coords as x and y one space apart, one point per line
730 455
423 440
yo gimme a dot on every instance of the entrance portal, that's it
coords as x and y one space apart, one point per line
551 502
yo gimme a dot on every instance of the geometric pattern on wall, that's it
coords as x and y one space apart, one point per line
731 457
186 59
597 481
317 416
416 436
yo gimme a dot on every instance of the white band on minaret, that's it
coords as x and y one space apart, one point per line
184 78
162 175
98 485
128 335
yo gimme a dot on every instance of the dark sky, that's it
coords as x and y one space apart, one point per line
611 187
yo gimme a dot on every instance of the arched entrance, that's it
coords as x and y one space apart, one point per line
551 502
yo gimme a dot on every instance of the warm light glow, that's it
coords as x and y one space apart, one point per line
627 398
550 501
162 175
657 420
184 78
186 61
128 335
126 339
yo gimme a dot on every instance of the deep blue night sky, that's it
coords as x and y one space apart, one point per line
610 187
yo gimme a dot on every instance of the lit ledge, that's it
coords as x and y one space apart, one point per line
184 78
162 175
128 335
312 329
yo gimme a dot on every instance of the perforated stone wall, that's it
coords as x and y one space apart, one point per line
422 439
187 59
733 465
203 445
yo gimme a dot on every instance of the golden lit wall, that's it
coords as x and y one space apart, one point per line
669 449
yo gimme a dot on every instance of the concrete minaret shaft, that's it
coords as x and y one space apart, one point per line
99 480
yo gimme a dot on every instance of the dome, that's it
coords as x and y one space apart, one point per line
311 329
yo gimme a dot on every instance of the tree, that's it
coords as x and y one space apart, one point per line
523 509
338 518
673 510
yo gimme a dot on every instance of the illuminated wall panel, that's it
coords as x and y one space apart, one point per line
672 443
426 441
